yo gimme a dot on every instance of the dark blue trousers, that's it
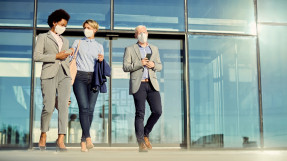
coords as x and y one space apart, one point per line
146 92
86 98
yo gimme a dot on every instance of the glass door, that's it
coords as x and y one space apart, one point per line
168 131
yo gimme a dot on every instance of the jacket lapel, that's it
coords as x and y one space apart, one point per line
50 36
152 52
137 49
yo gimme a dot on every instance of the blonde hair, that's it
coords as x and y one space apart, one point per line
139 26
92 23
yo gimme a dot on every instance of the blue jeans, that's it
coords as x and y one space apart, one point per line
146 92
86 98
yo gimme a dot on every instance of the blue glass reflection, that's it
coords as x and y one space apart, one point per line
223 91
79 11
273 81
15 80
16 13
15 43
167 15
223 16
272 11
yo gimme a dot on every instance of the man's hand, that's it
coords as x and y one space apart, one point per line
150 64
100 57
144 61
62 55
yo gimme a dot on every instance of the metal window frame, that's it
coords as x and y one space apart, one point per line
31 121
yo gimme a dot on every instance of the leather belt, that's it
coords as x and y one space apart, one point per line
145 80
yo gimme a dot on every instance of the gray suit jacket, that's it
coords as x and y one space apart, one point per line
132 63
45 51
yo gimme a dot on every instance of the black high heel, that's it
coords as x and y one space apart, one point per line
60 149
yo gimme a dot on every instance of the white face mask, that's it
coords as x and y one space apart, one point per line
60 29
88 33
142 37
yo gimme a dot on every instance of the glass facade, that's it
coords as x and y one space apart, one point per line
222 83
16 13
79 11
273 66
15 86
272 11
165 15
222 70
221 16
271 29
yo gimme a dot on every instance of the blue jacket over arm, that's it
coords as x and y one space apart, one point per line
101 72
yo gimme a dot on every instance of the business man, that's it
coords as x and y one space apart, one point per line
143 84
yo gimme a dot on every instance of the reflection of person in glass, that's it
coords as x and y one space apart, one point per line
90 51
143 84
53 49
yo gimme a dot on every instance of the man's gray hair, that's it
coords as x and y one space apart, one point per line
139 26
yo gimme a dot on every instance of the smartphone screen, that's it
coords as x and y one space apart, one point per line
148 55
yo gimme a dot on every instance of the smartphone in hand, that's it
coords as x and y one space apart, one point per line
148 55
69 51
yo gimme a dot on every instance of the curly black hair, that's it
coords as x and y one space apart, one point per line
57 16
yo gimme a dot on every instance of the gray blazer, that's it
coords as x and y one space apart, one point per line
45 51
132 63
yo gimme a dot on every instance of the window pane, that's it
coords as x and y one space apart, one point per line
272 11
273 80
223 16
169 128
99 127
166 15
224 109
79 11
16 12
15 79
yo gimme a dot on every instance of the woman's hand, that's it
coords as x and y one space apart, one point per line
62 55
100 57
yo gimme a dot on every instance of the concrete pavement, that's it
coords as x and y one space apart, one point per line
131 154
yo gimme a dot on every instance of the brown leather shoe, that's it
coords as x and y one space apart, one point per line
142 147
147 143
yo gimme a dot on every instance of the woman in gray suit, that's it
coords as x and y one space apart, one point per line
53 50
